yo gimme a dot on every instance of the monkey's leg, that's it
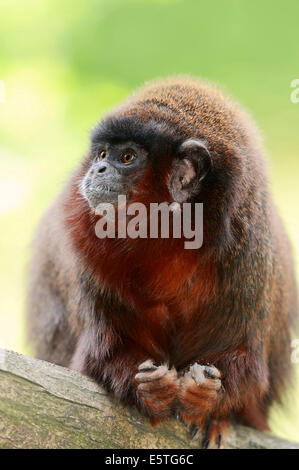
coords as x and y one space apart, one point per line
213 433
254 414
156 388
49 330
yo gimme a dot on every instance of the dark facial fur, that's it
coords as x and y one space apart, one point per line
111 175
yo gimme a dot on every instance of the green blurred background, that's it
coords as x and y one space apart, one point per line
64 63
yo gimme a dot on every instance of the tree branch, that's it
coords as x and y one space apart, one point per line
46 406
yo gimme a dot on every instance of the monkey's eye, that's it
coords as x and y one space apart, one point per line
102 154
128 157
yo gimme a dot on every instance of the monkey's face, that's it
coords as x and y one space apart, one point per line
114 170
151 164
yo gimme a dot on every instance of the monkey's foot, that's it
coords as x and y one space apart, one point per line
156 389
213 433
198 392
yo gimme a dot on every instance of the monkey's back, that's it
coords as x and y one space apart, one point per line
53 296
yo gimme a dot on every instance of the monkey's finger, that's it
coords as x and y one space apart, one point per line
205 376
198 395
202 371
188 382
165 384
151 375
212 372
157 395
147 365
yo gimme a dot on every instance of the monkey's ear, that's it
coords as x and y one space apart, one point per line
189 170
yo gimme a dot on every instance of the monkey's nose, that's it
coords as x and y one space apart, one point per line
102 169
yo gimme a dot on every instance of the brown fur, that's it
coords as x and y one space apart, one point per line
106 306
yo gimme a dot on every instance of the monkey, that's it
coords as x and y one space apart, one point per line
203 335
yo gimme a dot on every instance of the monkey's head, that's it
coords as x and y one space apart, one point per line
176 141
146 161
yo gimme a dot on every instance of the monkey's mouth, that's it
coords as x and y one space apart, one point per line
97 194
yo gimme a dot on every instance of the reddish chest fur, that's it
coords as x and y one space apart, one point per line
168 293
162 286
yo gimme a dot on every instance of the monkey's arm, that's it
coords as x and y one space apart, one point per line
125 371
238 384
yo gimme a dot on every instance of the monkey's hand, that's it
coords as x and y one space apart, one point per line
198 393
157 388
